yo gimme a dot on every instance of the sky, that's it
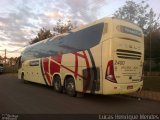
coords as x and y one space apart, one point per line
20 20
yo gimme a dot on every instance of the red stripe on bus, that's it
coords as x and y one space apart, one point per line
76 66
46 69
57 58
53 66
72 71
80 55
48 78
88 78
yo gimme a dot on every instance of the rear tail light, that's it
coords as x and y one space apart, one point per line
110 72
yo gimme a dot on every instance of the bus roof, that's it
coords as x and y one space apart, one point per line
92 23
104 20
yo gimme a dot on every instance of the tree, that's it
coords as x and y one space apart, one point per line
12 60
144 16
1 59
60 28
140 14
43 34
155 35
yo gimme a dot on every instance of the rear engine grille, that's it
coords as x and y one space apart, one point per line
128 54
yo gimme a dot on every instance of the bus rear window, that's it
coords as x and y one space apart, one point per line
128 30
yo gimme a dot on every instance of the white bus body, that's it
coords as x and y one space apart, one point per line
104 57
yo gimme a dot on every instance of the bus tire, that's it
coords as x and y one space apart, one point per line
70 87
57 84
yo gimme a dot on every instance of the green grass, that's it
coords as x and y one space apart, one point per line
152 83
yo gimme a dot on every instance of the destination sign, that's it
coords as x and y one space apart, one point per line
128 30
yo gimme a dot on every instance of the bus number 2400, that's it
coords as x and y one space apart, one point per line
119 62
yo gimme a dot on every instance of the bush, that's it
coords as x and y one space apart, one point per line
10 68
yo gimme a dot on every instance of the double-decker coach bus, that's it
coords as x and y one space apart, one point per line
104 57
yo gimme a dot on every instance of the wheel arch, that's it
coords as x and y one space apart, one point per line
67 76
22 74
54 75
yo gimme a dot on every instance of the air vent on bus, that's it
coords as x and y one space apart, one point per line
128 54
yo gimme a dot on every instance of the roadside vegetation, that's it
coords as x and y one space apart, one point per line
151 83
10 69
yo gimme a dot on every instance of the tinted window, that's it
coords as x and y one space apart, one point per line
83 39
76 41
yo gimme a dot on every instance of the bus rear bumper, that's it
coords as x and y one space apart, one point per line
114 88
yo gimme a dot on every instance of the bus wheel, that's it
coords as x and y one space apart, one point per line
57 84
70 87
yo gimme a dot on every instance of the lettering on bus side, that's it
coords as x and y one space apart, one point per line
34 63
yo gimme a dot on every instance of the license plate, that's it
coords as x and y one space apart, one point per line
129 87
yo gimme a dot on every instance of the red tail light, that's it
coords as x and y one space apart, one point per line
110 72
